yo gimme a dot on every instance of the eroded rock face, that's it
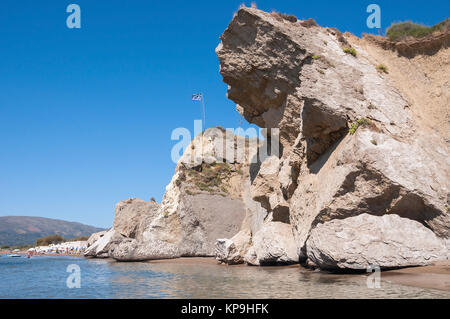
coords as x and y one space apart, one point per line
129 215
366 240
296 77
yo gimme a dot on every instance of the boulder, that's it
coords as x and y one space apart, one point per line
388 241
94 237
273 244
226 252
232 251
101 247
134 250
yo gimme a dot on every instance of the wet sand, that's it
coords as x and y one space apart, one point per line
212 261
186 260
436 276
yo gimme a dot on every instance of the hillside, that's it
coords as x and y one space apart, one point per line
421 78
22 230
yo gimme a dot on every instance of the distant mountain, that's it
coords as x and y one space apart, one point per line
23 230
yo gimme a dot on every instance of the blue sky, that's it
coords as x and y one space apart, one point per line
86 115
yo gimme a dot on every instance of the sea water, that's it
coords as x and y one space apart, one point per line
47 277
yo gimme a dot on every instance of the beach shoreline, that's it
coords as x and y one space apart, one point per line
25 253
435 276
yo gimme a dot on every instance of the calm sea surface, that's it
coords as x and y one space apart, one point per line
45 277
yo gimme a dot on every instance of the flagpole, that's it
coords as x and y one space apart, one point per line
204 116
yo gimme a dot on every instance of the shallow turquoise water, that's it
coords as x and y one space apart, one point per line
45 277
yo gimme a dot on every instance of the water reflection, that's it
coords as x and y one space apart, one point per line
205 280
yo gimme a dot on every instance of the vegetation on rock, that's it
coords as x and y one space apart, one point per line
382 68
361 122
210 178
351 51
282 16
401 31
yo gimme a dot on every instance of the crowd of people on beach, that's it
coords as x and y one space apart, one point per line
66 248
74 248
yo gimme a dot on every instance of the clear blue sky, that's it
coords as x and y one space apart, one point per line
86 115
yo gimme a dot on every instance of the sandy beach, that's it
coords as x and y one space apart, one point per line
24 252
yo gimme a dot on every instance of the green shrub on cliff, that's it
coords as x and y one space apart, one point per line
382 68
351 51
403 30
361 122
210 178
282 16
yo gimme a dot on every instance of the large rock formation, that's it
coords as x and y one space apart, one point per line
350 146
207 199
353 177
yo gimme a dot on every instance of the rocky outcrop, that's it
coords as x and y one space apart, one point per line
350 180
207 199
133 215
366 240
101 247
349 145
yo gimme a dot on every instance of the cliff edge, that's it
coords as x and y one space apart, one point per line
361 176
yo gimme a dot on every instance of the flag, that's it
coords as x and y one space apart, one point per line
197 97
